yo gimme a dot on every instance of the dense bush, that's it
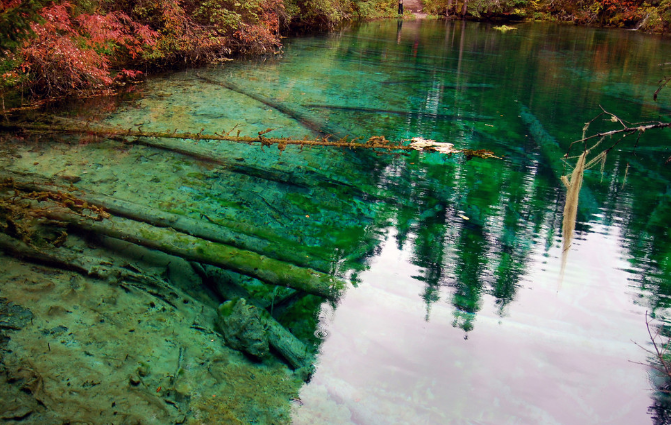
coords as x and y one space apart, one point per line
656 18
653 15
73 46
327 14
477 8
71 52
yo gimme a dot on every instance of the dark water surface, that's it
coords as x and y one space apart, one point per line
458 314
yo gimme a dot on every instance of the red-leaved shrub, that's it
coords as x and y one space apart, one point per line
74 53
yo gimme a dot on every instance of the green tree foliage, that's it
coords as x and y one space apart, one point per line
656 18
476 8
327 14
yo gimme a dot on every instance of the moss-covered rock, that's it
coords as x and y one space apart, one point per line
242 327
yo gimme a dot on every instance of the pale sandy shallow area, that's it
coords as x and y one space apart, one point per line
109 352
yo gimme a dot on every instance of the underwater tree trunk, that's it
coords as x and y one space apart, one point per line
291 348
473 117
68 260
195 249
282 250
282 340
553 153
318 126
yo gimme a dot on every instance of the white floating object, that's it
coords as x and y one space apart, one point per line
427 145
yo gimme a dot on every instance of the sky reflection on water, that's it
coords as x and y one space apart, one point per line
461 316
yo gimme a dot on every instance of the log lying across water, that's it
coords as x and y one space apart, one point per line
377 142
191 248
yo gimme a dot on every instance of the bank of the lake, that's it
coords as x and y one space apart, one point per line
52 49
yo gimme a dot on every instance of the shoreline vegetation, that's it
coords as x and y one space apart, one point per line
50 49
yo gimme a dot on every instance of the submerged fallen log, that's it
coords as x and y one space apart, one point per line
290 347
251 329
318 126
443 85
236 296
286 251
229 285
553 154
65 259
195 249
472 117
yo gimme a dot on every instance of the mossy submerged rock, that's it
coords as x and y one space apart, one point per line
243 328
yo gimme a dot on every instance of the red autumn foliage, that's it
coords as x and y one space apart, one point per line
263 36
72 54
116 31
9 4
74 44
623 11
53 61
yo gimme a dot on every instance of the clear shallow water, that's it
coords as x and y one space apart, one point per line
458 315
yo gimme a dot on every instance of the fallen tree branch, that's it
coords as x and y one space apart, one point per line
626 130
375 143
108 132
549 148
660 354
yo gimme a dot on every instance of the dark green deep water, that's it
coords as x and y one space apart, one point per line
458 315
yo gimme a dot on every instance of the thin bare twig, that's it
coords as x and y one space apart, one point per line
626 130
662 83
659 353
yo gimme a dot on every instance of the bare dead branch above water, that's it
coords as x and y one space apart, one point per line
626 130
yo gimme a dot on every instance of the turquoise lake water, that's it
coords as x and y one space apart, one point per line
456 313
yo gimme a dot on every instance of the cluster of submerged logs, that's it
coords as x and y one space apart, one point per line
37 216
